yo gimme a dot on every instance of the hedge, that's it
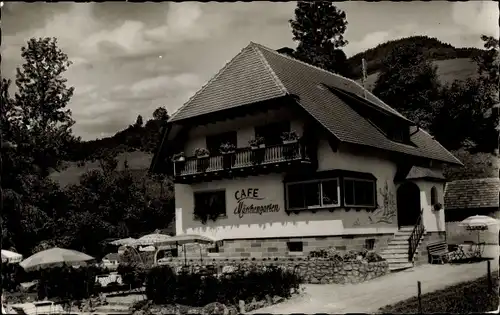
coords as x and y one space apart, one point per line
164 286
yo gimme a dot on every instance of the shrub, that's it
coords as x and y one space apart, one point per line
67 282
163 286
133 275
351 255
330 253
372 256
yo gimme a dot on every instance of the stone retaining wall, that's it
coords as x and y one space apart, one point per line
315 270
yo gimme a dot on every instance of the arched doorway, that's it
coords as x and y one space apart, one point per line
408 202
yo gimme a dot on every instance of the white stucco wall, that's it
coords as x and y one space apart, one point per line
279 224
271 189
434 221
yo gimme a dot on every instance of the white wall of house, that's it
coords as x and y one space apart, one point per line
434 221
271 189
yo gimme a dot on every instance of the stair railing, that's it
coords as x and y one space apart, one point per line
415 236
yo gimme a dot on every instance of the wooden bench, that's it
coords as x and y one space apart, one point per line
437 251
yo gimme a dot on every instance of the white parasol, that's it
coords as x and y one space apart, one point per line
184 239
11 257
124 241
55 257
478 223
151 239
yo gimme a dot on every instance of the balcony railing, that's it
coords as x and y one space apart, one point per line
242 158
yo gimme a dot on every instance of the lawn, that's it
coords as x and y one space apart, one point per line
464 298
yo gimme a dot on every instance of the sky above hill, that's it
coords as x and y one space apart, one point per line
132 58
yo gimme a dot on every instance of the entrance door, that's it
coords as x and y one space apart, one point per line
408 201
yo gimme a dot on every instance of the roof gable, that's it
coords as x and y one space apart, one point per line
245 79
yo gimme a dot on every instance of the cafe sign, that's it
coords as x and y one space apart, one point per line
248 201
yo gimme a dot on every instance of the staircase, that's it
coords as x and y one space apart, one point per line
397 251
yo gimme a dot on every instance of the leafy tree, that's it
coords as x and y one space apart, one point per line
139 122
35 120
319 29
116 204
409 83
464 116
41 123
489 62
161 114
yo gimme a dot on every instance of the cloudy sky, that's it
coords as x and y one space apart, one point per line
131 58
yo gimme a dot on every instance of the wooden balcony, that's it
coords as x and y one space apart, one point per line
242 162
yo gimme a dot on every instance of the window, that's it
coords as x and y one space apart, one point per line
313 194
210 202
359 192
295 246
214 142
272 132
399 133
434 196
369 243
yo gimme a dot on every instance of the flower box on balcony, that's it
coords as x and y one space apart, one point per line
202 163
289 137
227 150
260 146
201 153
179 160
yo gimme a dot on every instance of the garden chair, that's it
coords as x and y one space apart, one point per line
438 252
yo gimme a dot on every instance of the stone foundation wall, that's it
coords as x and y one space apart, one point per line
277 247
316 270
423 257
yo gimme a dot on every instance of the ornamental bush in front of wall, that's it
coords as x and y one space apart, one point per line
164 286
133 275
67 283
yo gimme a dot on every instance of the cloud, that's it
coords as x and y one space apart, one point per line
115 47
369 41
478 17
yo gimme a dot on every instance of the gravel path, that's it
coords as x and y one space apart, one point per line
369 296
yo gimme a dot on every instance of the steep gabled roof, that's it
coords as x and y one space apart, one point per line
245 79
259 73
472 193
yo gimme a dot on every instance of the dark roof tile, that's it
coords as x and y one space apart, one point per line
472 193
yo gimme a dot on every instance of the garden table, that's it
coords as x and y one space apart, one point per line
457 254
477 249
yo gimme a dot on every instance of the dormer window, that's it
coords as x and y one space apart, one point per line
399 134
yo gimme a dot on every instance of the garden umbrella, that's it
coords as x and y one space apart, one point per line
55 257
151 239
11 257
184 239
478 223
124 241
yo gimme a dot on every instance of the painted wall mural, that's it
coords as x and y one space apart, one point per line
387 211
